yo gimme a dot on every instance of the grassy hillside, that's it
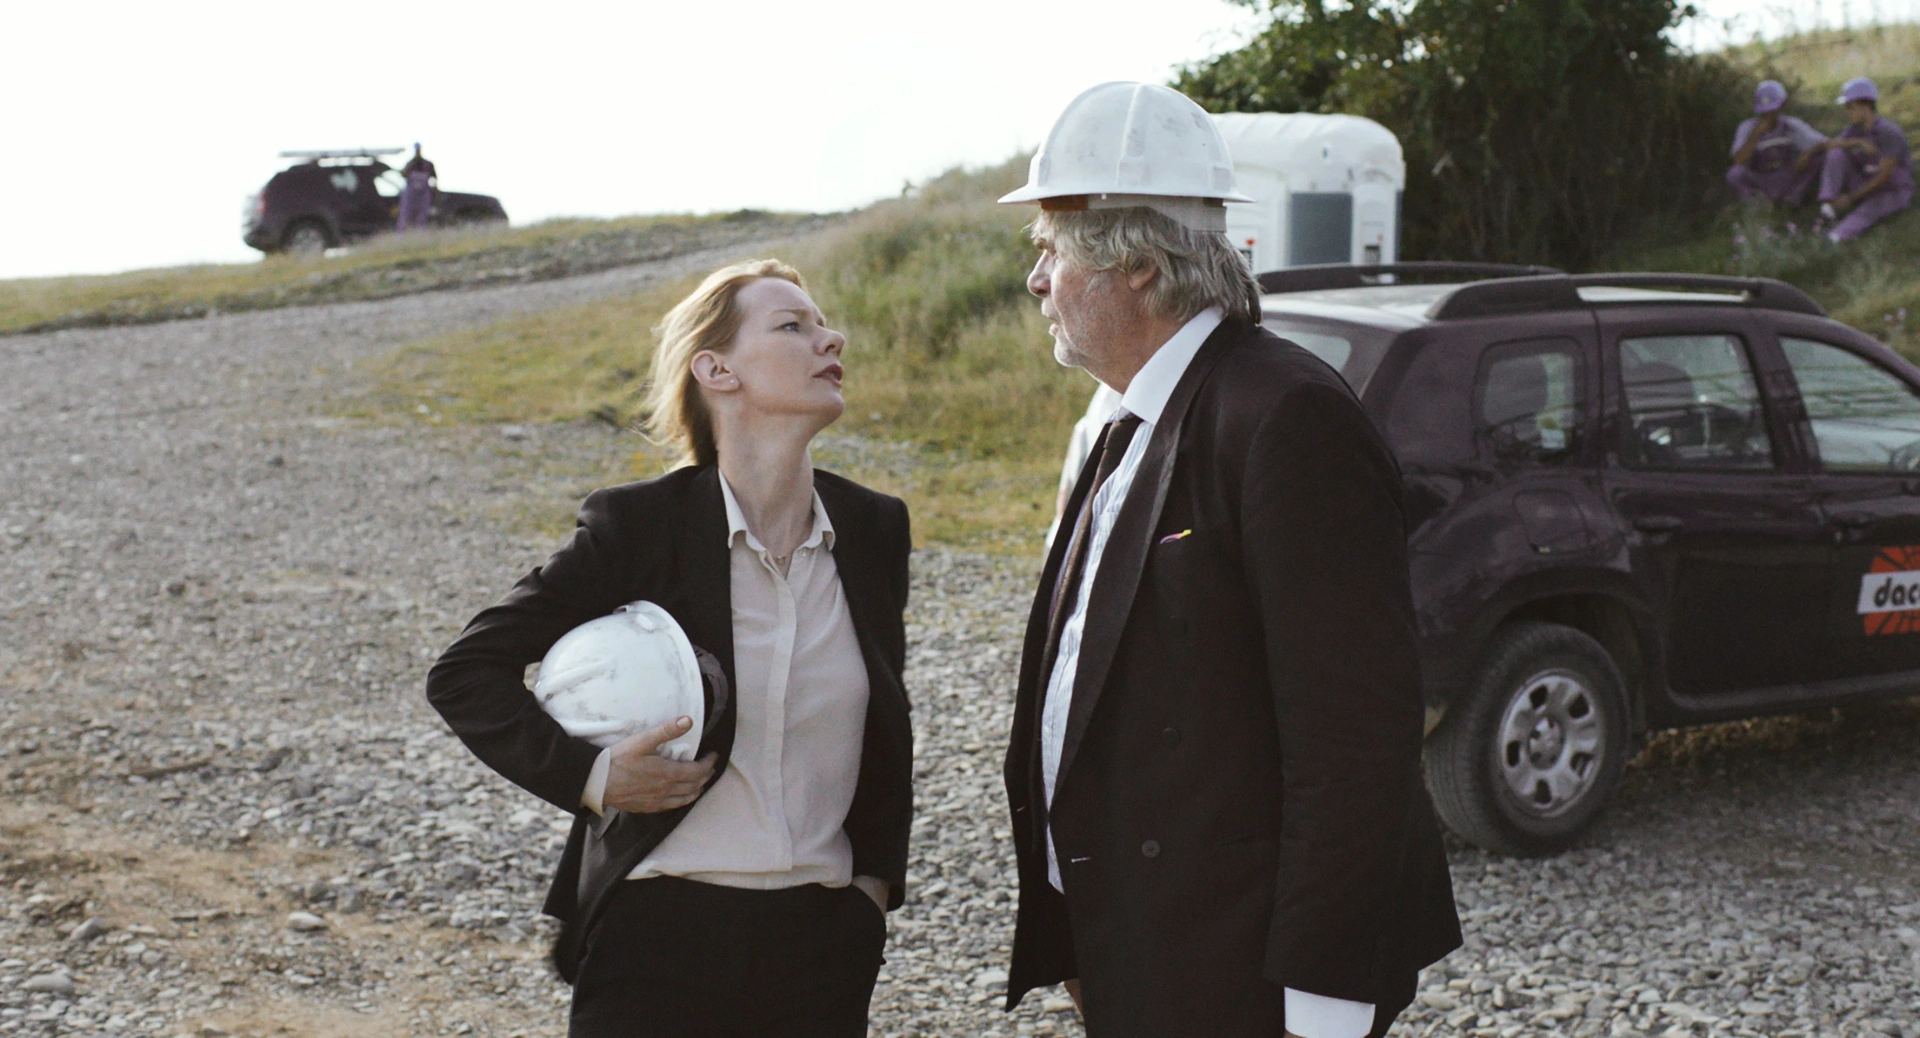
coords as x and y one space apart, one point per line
954 400
379 269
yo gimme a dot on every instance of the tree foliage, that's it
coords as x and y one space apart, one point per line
1534 130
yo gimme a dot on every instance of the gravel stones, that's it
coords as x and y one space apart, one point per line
87 931
305 922
48 983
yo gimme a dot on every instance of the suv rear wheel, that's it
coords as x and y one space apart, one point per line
306 238
1526 759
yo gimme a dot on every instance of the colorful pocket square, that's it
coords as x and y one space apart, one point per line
1170 538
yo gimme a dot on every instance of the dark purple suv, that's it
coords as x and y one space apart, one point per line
1635 502
341 196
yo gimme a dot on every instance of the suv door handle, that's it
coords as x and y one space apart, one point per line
1657 524
1855 520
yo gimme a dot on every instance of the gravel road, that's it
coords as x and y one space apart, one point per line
227 808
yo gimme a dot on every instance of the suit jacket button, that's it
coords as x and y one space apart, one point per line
1171 737
1150 849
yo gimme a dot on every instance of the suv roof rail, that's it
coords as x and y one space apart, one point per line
1507 296
342 153
1562 292
1357 275
1761 293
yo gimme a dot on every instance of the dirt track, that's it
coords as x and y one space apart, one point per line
220 602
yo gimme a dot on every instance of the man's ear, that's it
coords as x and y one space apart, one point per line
711 372
1141 278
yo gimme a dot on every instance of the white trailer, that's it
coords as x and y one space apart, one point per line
1327 189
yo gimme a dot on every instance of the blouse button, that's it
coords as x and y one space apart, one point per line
1150 849
1171 737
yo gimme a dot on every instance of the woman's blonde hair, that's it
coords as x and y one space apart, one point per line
708 319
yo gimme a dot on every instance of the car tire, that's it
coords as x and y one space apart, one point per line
306 238
1524 761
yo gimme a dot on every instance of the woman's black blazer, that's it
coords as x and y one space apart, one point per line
665 541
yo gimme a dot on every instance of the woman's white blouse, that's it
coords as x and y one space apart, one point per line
774 818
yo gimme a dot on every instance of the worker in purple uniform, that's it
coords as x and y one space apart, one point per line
416 199
1868 174
1773 153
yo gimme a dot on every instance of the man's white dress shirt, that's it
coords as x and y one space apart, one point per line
1308 1015
775 817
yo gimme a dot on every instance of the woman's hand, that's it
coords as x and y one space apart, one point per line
643 782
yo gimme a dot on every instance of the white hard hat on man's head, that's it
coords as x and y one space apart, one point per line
1120 145
627 672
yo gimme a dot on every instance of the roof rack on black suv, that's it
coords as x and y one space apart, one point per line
1562 292
1314 278
1634 502
343 153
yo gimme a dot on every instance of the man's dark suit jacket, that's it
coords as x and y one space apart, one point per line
665 540
1238 807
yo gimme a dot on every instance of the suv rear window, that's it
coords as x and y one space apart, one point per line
1528 400
1354 351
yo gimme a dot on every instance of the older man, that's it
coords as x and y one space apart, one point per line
1772 153
1213 768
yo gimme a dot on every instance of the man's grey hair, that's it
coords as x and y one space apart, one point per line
1197 269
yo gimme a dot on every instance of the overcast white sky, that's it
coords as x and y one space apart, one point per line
136 130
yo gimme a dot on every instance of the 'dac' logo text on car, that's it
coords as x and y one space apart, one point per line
1890 592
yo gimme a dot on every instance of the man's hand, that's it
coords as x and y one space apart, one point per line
643 782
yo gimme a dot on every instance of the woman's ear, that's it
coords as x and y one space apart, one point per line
711 371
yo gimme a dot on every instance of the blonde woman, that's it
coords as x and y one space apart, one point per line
742 893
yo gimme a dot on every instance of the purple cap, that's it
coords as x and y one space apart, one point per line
1859 89
1769 96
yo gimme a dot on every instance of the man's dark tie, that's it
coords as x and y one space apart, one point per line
1066 587
1113 446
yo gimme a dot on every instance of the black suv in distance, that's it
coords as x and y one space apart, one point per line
1635 502
336 197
